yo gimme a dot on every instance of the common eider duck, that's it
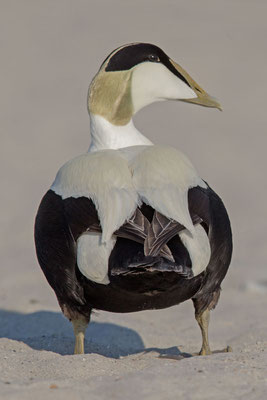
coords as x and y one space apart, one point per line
129 225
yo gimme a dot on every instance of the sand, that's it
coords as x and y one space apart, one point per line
50 50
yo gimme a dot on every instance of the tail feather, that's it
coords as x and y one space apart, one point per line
151 264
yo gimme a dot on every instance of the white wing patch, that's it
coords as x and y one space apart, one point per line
93 255
198 247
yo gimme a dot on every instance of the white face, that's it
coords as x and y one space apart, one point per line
154 82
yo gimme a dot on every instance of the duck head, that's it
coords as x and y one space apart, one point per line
139 74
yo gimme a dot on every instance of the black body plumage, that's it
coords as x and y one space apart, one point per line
137 281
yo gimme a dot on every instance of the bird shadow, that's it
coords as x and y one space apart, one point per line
50 331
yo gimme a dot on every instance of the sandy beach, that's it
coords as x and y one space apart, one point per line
50 51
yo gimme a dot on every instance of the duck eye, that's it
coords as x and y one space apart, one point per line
153 58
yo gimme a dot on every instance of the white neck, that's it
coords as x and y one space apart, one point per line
108 136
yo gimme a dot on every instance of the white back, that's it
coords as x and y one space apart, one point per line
105 178
162 176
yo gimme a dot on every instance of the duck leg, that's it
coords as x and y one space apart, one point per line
79 327
203 320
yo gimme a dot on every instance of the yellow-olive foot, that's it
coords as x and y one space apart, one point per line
208 352
228 349
205 351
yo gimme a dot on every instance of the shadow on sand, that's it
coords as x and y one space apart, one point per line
50 331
